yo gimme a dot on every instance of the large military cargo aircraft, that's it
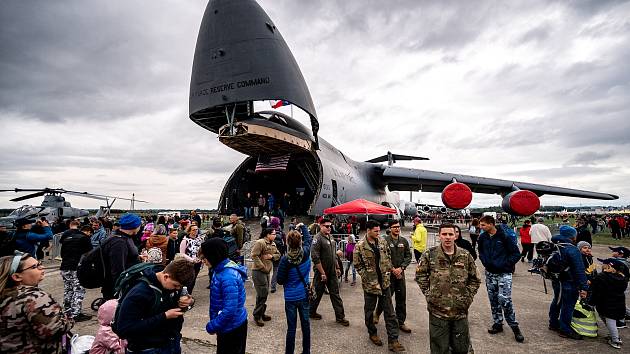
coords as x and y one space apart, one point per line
241 58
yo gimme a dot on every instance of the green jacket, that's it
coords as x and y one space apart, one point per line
399 251
448 283
365 264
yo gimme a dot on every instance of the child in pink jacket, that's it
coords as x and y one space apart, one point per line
106 341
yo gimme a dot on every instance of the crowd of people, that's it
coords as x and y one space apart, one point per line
150 269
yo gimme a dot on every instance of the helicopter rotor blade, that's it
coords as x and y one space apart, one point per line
86 195
28 196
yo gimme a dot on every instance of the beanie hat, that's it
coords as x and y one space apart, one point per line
567 232
583 244
129 221
215 250
275 222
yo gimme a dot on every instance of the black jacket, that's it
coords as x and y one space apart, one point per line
462 243
74 244
143 325
608 295
119 253
498 253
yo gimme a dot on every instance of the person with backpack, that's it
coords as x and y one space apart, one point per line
74 244
156 246
447 275
499 254
151 307
119 252
7 241
570 285
293 275
228 315
31 321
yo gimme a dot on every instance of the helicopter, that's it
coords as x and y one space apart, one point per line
54 206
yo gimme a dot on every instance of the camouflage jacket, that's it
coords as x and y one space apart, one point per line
365 264
31 321
449 283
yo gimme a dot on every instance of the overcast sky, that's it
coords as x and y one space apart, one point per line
94 94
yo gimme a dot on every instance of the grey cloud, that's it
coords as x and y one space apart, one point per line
64 62
590 158
536 34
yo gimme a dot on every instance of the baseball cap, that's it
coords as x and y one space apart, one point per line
625 252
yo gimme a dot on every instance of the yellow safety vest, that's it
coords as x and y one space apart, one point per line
584 322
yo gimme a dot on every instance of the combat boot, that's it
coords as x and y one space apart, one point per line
496 328
517 334
396 347
376 340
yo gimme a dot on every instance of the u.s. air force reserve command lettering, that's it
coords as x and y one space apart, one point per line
231 86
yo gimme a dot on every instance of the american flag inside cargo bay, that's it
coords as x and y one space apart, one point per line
272 163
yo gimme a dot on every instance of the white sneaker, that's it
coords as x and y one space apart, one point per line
615 345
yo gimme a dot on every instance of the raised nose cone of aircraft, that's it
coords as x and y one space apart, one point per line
241 57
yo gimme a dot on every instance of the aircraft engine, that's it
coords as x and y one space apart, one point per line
521 203
456 196
409 209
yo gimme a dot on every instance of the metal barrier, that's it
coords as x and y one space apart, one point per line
54 251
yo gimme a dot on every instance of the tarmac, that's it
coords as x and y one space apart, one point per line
530 302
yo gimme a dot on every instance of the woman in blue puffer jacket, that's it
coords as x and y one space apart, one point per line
228 316
293 274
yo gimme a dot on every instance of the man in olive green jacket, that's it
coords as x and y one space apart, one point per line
449 280
372 260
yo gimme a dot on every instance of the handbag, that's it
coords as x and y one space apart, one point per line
310 289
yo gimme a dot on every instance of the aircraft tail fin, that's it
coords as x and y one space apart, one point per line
392 158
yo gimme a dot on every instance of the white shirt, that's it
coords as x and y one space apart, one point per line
539 232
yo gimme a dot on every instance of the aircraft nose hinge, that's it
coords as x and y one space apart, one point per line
270 27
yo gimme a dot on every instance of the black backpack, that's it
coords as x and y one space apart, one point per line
126 281
231 244
7 244
91 269
557 265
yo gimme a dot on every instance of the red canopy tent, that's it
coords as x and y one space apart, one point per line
360 206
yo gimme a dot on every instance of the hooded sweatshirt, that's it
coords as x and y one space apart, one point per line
106 341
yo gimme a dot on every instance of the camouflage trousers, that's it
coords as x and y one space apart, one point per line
73 293
499 288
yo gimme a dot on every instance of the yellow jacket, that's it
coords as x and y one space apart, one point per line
419 238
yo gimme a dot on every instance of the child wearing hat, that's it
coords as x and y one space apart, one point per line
587 258
621 254
608 296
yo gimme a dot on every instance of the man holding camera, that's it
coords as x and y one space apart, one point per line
571 285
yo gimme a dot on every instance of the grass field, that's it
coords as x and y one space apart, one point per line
600 238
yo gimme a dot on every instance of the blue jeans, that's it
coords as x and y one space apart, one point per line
565 295
173 347
292 309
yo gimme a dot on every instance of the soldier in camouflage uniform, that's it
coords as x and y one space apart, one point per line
31 321
372 260
449 280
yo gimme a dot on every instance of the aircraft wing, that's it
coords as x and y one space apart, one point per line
409 179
